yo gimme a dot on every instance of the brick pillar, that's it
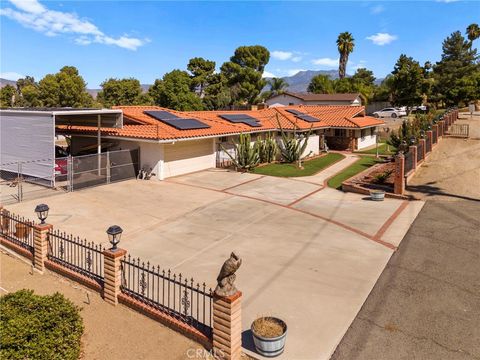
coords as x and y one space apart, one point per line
441 127
40 245
227 326
430 138
399 184
413 150
4 220
436 128
424 147
112 271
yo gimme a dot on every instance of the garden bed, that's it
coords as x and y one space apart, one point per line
310 167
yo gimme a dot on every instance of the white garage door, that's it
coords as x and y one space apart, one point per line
188 156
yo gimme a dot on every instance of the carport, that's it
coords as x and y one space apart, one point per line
27 138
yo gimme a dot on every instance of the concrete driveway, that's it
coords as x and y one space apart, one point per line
310 255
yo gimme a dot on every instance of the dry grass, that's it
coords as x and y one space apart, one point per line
268 327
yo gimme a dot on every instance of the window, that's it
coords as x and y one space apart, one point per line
363 133
223 139
291 104
340 132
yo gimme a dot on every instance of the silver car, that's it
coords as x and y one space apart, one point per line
390 112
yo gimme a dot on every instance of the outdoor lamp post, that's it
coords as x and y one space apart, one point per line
422 134
404 146
412 140
42 212
114 234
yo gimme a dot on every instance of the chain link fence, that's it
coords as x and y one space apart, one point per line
19 182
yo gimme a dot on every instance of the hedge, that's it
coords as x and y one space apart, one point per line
39 327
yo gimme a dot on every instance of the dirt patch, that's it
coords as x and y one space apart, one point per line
111 332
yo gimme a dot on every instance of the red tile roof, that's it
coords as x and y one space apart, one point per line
146 127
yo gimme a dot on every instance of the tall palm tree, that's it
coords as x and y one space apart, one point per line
277 85
345 45
473 32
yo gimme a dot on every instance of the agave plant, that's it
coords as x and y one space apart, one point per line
267 148
292 146
246 154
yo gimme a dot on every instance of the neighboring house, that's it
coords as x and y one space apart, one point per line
172 151
290 98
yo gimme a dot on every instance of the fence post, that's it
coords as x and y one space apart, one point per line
441 127
112 271
435 129
40 245
227 326
424 148
430 139
413 150
399 184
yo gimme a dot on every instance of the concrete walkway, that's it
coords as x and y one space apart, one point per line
321 177
311 255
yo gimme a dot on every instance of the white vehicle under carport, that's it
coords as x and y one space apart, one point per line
390 112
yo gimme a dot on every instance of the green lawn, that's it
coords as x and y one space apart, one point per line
310 167
361 164
382 150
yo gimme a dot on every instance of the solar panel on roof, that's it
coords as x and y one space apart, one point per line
308 118
160 114
294 112
175 121
241 118
303 116
185 124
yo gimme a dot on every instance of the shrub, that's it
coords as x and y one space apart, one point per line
267 149
382 178
246 154
292 146
39 327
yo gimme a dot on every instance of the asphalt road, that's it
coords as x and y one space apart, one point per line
426 303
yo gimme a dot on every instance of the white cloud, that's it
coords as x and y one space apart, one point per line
268 74
10 75
382 38
328 62
33 15
377 9
281 55
353 66
296 58
292 72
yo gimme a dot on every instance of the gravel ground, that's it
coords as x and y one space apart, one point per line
111 332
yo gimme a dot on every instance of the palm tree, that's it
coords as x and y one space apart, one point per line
473 32
345 44
277 85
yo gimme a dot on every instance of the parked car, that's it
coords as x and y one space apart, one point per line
390 112
60 161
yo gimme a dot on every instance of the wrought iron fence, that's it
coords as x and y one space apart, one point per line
18 230
435 135
461 130
420 151
408 162
168 292
428 144
76 254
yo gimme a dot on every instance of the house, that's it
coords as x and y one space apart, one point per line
290 98
179 142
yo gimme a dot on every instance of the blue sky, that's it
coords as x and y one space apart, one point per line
146 39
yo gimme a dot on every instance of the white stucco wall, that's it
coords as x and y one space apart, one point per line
151 155
286 100
366 141
313 145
